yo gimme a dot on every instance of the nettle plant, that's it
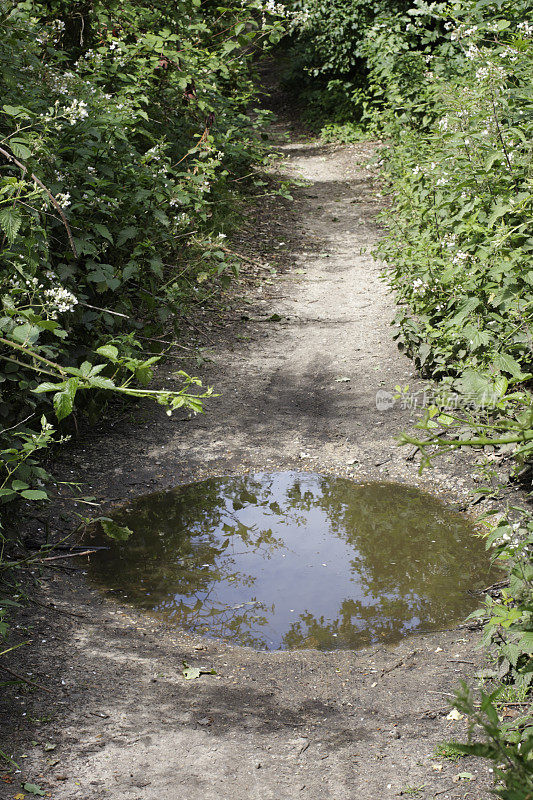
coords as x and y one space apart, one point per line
127 131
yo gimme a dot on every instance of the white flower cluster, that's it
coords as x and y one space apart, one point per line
76 110
525 28
472 52
510 53
275 8
54 300
512 538
491 72
460 257
59 301
63 199
60 82
419 287
461 32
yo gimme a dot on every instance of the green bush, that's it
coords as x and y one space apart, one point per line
126 130
448 86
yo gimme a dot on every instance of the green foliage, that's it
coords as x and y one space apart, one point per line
509 745
123 130
509 618
449 86
119 533
449 751
128 132
328 55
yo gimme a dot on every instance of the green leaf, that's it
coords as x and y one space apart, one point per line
423 353
108 351
32 788
16 111
144 374
125 234
162 217
103 230
63 405
25 334
499 210
19 148
47 387
464 776
475 386
98 382
10 222
508 364
119 533
190 673
34 494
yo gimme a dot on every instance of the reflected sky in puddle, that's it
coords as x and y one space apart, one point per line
294 560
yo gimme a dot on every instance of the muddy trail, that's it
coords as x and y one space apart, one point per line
298 367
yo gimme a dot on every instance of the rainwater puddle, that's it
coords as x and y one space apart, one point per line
295 560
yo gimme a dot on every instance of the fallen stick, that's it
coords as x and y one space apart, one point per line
25 680
55 608
524 703
69 555
390 669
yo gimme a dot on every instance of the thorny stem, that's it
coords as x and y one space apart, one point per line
481 441
32 354
53 200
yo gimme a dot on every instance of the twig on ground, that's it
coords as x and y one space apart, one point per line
68 555
23 679
55 608
390 669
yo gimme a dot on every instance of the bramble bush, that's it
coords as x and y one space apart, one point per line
125 131
128 132
447 86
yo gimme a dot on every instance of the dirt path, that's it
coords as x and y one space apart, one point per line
344 725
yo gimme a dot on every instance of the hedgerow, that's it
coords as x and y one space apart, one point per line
127 131
447 86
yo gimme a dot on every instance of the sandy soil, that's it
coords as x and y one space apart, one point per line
121 721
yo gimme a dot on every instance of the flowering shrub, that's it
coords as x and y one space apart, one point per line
449 86
125 130
459 254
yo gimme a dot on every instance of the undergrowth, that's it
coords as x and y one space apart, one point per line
447 87
128 133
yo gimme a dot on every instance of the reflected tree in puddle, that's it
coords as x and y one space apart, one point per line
296 560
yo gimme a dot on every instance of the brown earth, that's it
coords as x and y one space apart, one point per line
121 721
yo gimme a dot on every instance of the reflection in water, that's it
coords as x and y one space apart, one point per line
291 560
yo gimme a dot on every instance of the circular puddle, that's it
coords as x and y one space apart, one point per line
296 560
